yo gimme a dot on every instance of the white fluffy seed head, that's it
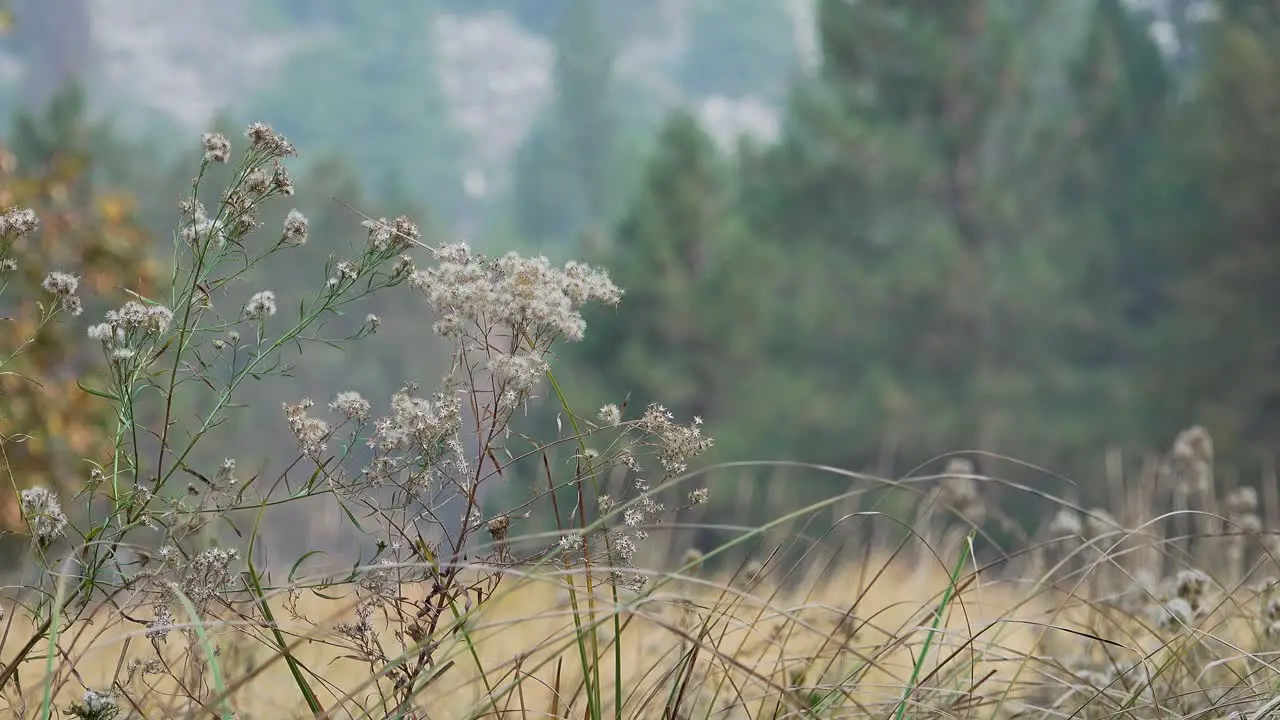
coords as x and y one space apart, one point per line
262 304
465 290
295 229
216 147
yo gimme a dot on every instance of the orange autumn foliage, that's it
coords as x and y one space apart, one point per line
48 425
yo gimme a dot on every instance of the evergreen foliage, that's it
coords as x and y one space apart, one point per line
566 170
1025 228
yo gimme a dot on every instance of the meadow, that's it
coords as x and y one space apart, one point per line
144 592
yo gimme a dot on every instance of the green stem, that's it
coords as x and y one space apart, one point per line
933 629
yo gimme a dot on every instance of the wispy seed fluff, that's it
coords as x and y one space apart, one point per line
570 542
262 304
63 286
417 424
130 327
343 272
216 147
1066 523
352 405
525 293
133 315
258 182
311 433
262 138
295 229
281 181
519 373
676 443
97 705
44 514
397 234
202 226
60 283
610 415
16 222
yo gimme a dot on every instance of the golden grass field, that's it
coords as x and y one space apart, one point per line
843 638
758 644
1094 619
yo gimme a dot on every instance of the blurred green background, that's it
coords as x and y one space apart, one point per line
864 234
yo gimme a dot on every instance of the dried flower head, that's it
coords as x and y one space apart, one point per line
352 405
295 229
16 222
201 227
394 235
379 233
344 271
1190 585
217 148
418 425
1192 459
1243 500
363 627
959 489
226 476
676 443
1249 523
263 139
191 209
1272 610
403 267
207 575
281 181
570 542
63 286
96 706
1174 614
405 230
606 504
610 415
1066 522
60 283
693 558
44 514
526 294
129 328
519 372
258 182
162 623
311 433
498 527
1193 444
382 582
262 304
133 316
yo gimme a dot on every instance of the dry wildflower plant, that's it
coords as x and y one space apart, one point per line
137 543
133 605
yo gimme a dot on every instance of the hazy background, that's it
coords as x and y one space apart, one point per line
857 233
